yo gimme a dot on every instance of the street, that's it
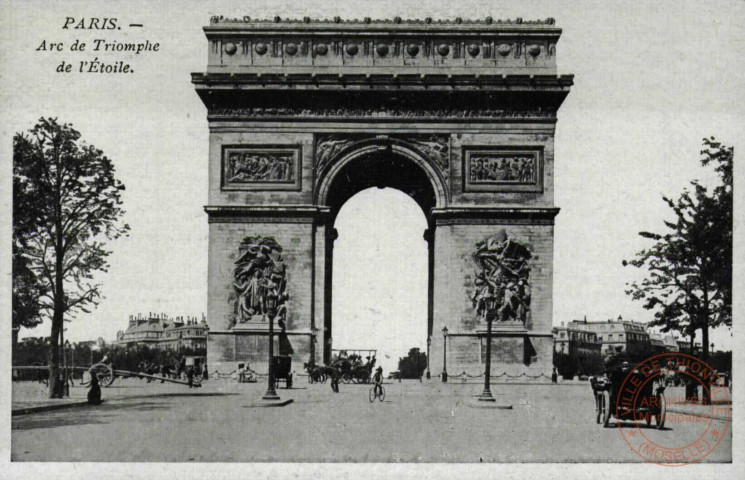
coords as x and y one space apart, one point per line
417 422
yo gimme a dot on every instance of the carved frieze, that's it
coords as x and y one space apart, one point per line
414 113
393 42
433 147
261 167
436 147
502 169
328 147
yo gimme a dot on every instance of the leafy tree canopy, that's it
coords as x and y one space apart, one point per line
689 267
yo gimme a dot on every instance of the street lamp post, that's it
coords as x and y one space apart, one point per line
271 394
486 395
444 354
429 344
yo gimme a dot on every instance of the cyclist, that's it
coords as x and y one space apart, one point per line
378 381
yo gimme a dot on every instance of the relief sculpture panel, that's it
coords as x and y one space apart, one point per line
258 167
489 169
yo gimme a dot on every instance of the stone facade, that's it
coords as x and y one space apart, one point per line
158 330
460 115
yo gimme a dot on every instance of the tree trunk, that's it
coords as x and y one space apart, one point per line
705 392
692 385
55 386
58 320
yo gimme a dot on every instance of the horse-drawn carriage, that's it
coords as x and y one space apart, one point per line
282 370
349 364
646 405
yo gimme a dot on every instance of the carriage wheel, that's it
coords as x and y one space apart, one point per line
104 373
606 408
346 378
660 417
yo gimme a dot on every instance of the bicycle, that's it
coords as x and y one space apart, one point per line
374 394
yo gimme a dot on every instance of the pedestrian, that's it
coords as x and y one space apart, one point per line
336 373
190 376
94 393
554 376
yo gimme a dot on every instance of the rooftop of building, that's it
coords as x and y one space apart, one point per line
611 325
162 322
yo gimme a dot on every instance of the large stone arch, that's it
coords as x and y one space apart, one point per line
419 176
466 110
383 147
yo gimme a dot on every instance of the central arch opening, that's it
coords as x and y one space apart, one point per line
380 254
380 275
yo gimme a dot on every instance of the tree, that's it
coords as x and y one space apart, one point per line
71 207
689 284
413 365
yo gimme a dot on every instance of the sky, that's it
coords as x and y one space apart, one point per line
650 82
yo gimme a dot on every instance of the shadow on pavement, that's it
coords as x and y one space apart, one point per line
640 425
75 416
172 394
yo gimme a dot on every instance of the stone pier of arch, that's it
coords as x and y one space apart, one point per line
304 114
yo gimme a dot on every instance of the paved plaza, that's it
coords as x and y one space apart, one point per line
417 422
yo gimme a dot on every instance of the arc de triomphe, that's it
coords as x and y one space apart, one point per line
460 115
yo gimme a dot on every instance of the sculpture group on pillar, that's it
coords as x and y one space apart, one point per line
502 282
260 281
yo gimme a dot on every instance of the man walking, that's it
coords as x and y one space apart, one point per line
335 375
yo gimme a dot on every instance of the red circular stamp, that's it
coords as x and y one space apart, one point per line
656 418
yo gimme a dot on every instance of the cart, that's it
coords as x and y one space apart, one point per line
650 403
282 369
198 363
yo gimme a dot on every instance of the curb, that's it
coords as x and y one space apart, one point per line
46 408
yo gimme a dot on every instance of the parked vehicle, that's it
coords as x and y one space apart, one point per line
650 402
282 369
